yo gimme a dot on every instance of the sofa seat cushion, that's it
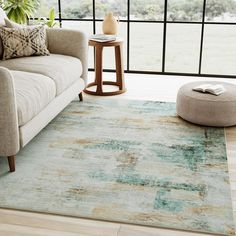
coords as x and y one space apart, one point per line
63 70
33 93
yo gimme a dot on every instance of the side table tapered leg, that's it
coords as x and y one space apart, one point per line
98 69
119 67
98 81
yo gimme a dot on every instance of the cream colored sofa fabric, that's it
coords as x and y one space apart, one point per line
11 24
33 90
29 130
63 70
71 43
3 16
33 93
9 135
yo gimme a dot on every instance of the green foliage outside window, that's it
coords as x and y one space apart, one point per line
216 8
178 10
182 10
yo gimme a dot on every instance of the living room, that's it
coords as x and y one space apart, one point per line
117 117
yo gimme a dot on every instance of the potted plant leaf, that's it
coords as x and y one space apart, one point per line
20 11
50 21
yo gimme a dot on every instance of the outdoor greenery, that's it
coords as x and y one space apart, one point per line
178 10
192 10
181 10
218 7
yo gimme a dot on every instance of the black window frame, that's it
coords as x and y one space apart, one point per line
165 21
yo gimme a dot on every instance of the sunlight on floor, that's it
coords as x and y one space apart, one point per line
153 87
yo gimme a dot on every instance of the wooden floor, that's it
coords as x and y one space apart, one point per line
147 87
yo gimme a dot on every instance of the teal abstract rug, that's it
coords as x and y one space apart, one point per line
125 161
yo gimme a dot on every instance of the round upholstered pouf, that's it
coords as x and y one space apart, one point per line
207 109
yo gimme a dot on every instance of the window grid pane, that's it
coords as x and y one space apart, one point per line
74 9
182 48
147 10
138 37
221 11
185 10
146 47
219 51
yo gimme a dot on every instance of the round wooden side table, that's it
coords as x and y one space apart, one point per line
117 44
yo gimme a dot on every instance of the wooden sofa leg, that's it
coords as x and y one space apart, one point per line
11 162
81 96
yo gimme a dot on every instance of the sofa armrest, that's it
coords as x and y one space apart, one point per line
9 130
69 42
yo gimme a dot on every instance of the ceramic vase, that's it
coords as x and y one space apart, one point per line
110 24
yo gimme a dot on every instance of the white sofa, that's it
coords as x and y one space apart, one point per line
33 90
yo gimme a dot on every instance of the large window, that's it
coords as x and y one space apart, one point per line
196 37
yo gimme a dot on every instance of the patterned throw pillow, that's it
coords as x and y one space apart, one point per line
23 42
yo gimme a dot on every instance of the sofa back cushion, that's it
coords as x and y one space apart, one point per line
11 24
2 17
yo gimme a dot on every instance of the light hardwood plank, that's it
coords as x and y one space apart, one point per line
233 194
232 176
16 230
58 223
129 230
233 185
232 168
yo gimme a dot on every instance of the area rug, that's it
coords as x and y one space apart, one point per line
125 161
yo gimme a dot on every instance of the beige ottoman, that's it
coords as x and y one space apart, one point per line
206 109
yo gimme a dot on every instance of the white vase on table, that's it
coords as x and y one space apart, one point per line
110 24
